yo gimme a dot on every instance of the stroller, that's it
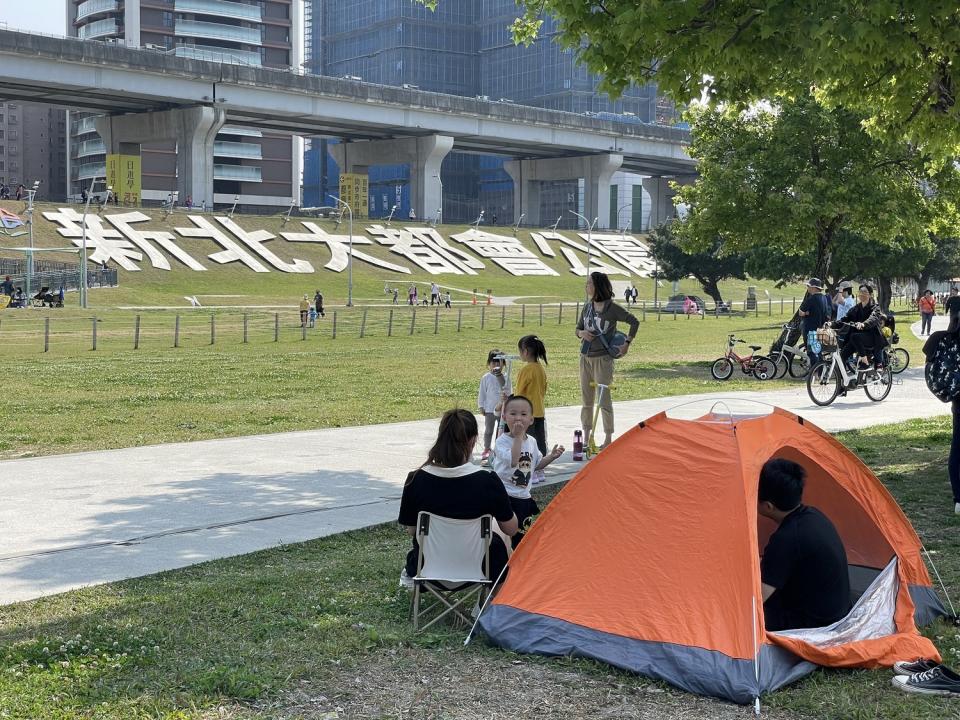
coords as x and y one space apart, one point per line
45 298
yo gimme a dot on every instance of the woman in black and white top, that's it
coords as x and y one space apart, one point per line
597 328
448 484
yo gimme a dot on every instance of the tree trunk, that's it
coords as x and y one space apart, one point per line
884 292
923 280
710 287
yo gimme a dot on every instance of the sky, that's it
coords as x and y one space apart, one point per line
48 16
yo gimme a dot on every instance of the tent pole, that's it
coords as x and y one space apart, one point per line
939 579
485 603
756 657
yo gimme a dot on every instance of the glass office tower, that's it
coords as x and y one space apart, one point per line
463 48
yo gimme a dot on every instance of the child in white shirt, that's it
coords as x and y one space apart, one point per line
516 456
493 387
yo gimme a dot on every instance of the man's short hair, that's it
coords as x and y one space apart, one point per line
781 483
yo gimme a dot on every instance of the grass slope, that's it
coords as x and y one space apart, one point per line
151 286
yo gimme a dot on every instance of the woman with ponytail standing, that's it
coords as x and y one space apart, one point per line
448 484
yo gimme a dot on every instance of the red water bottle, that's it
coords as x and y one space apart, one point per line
577 445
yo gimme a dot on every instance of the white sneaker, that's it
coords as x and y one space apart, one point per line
406 581
538 477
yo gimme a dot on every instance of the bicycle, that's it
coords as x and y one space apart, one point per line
898 357
830 377
789 353
760 366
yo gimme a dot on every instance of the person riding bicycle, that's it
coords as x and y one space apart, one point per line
864 338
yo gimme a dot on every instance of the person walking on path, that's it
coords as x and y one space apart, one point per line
952 306
596 328
318 303
815 311
396 295
304 310
446 299
434 293
928 308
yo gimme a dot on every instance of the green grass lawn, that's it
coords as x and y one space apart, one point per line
320 630
73 398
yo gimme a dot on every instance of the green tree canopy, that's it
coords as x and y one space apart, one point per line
790 183
708 266
896 63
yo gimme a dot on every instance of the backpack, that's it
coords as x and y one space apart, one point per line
942 370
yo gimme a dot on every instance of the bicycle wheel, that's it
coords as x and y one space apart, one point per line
799 365
823 384
764 368
899 360
879 388
783 363
721 369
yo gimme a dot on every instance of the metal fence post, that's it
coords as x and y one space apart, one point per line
483 316
503 316
176 331
769 306
94 334
136 333
246 327
213 330
794 304
436 320
413 320
46 334
363 322
781 304
390 324
276 328
334 324
523 315
541 314
303 331
459 318
560 315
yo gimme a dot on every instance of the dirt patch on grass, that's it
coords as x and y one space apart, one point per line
441 684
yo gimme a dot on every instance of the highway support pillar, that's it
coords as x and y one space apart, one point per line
424 155
595 170
193 128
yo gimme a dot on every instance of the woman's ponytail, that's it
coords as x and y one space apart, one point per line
457 428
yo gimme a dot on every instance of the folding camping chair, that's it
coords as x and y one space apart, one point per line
452 567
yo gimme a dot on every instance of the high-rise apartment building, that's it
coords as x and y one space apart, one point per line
33 147
463 48
262 168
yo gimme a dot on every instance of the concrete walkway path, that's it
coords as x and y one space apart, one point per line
87 518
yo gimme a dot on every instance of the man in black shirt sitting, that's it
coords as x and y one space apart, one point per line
804 566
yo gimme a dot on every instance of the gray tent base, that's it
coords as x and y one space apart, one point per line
696 670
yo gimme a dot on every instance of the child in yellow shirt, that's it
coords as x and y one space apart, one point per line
532 384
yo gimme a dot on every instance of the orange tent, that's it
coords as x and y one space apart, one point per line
649 559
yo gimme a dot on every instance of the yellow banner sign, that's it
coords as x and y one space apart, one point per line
354 191
123 175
